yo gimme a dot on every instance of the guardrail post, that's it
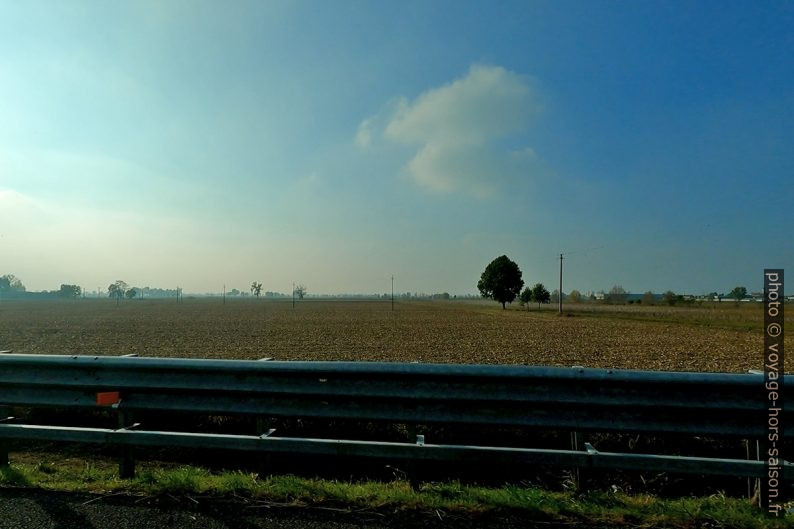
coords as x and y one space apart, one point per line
127 459
578 444
410 467
5 412
264 461
753 454
410 432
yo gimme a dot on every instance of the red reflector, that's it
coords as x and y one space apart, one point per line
108 398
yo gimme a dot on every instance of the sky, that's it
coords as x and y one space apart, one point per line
338 144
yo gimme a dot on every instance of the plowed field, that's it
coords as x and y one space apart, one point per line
723 338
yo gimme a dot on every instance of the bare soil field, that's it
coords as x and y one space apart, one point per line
706 338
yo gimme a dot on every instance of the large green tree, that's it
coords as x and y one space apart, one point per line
11 283
540 294
738 293
69 291
526 297
501 281
300 291
117 289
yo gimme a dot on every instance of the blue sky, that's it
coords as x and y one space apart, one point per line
337 143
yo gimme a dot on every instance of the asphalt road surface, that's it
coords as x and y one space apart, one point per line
36 509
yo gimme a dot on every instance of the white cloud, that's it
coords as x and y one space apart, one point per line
457 126
364 134
449 167
489 102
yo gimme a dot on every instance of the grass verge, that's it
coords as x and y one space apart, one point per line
611 508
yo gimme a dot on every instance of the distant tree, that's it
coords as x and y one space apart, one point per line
501 281
711 296
575 296
648 298
555 296
525 297
256 289
131 293
738 293
617 295
117 289
669 297
300 291
540 294
69 292
11 283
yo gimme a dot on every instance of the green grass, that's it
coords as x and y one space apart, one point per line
613 508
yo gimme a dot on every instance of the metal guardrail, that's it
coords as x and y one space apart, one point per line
575 399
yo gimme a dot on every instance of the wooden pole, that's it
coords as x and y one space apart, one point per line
559 292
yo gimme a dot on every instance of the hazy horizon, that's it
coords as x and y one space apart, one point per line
275 293
336 145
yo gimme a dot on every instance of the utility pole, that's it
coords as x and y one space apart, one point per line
224 294
293 294
559 292
392 292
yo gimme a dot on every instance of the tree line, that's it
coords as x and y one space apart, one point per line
502 281
12 287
